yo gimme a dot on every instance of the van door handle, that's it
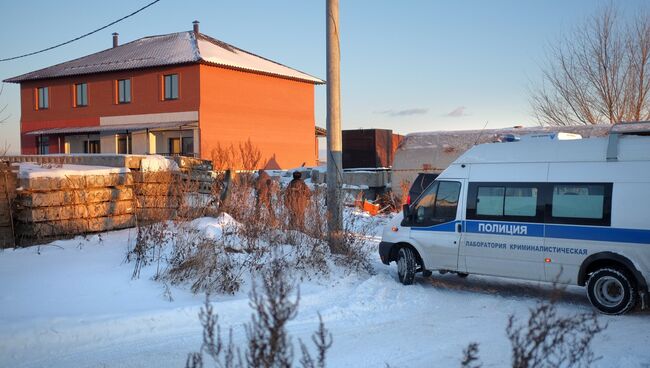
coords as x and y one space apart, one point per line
459 227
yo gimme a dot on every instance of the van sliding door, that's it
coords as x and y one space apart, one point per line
504 230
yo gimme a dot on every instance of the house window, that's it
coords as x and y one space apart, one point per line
43 145
124 144
81 94
43 98
92 146
175 146
188 145
171 86
124 91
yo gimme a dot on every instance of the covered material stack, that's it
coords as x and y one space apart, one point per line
158 195
197 173
65 200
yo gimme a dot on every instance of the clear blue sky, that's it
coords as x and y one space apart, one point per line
406 65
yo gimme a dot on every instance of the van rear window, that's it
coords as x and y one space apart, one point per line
578 201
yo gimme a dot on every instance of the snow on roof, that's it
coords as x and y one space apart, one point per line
155 163
631 148
220 53
169 49
460 140
30 170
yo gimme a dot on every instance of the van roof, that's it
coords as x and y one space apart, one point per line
630 148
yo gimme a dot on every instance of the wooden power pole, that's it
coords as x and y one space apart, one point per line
334 140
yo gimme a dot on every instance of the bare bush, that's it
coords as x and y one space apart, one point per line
250 156
356 254
470 356
3 116
548 339
246 156
208 265
598 74
149 244
268 343
223 158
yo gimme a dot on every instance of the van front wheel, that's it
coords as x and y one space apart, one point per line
406 265
611 291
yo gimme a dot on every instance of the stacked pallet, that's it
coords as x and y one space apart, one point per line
158 195
58 202
8 180
197 173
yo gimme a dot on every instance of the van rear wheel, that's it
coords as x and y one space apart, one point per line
611 291
406 265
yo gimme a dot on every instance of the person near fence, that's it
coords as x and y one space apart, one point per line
265 189
296 199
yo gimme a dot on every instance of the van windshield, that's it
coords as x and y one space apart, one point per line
438 204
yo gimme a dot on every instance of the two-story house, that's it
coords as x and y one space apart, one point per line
180 93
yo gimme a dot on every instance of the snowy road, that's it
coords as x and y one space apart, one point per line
74 305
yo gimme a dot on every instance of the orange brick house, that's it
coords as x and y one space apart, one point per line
180 93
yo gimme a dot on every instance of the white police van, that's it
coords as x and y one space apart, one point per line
574 212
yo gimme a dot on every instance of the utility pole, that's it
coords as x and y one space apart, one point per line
334 146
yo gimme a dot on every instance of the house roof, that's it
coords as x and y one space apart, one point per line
169 49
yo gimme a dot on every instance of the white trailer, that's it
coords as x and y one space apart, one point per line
432 152
573 212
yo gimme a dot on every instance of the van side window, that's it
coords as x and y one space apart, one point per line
520 202
490 201
437 204
581 204
505 202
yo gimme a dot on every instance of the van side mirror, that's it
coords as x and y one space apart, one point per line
406 210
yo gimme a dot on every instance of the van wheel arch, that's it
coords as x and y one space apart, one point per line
395 249
608 259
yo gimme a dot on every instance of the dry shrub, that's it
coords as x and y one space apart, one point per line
470 356
192 203
405 186
223 158
548 339
250 156
150 241
355 257
207 264
389 202
267 342
245 157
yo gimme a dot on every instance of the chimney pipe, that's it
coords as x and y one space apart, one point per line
115 42
196 27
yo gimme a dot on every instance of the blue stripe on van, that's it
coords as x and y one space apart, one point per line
575 232
446 227
594 233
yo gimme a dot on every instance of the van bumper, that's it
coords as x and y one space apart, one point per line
384 252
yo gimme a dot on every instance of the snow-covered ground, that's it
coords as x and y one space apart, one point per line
73 304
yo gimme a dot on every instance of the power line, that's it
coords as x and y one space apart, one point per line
82 36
